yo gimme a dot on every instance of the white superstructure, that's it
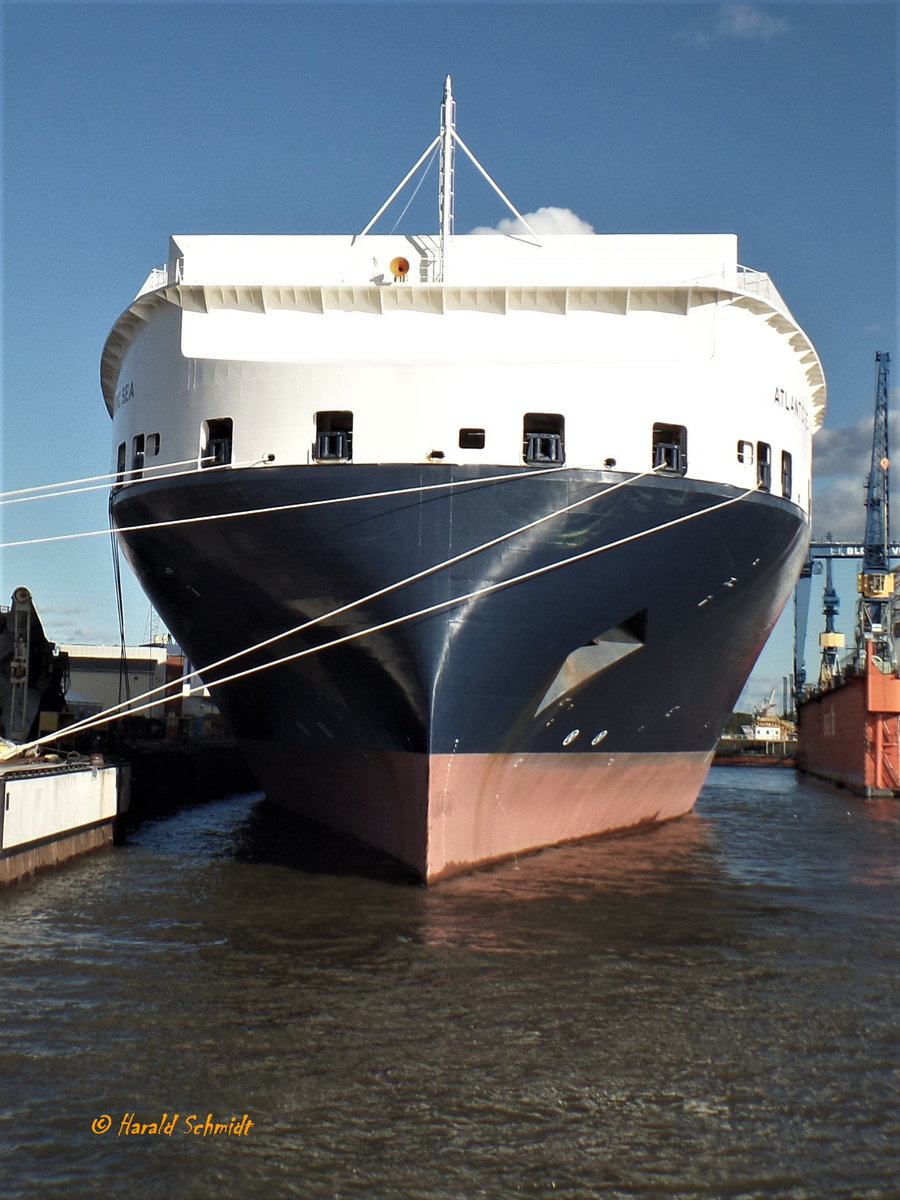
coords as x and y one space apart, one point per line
614 334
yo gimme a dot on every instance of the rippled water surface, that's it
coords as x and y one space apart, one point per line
708 1009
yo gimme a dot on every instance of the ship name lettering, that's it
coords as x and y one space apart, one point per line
125 393
792 404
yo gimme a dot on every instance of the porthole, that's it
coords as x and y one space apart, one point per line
471 439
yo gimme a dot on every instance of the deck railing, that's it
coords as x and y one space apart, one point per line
759 284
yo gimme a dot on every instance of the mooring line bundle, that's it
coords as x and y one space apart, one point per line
157 695
222 516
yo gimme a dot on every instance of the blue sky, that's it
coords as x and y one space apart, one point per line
125 122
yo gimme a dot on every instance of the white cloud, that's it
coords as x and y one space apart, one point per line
841 462
838 452
71 625
738 22
748 23
838 509
547 220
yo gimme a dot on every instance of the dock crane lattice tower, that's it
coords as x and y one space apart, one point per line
831 641
876 582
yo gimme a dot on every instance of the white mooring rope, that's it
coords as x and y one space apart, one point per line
255 512
72 487
89 722
129 708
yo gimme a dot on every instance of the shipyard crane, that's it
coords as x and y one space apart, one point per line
876 582
830 641
802 592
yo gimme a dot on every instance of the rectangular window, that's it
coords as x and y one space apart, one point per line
745 453
764 466
216 439
137 455
334 437
151 446
670 449
471 439
787 474
543 438
120 462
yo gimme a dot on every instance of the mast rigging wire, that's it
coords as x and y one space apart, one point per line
415 190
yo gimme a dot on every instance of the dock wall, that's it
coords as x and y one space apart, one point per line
50 814
19 864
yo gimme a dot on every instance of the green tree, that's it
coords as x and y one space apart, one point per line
735 721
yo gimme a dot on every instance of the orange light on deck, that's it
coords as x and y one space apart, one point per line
399 268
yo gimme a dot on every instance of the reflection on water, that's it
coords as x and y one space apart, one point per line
704 1009
498 908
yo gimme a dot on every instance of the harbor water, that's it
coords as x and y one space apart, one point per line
708 1009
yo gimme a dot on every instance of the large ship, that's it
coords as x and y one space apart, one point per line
475 538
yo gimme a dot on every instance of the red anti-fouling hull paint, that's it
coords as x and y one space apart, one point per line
489 806
441 814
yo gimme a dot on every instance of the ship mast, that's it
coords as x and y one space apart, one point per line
445 191
448 139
